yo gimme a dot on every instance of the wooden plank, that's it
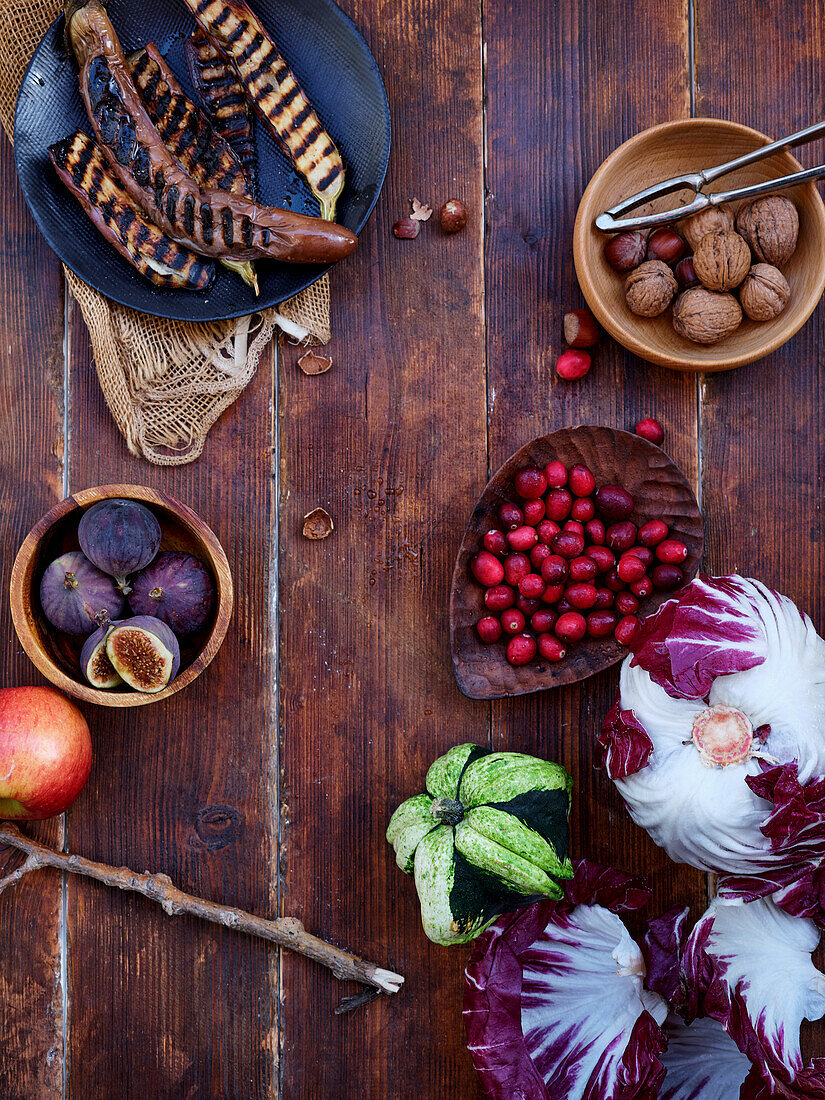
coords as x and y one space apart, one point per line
761 425
388 441
567 83
31 456
185 786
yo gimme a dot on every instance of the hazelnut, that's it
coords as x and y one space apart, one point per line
722 260
407 229
711 220
685 273
664 244
706 317
764 293
626 250
771 227
453 216
650 288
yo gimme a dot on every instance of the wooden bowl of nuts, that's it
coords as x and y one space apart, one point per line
716 291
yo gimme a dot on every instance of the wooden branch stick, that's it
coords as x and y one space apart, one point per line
285 931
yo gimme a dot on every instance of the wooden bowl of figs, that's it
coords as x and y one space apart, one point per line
121 595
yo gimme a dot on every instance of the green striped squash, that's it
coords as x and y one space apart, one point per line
489 835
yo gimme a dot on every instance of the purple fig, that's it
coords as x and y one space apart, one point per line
73 592
94 660
176 588
120 537
144 652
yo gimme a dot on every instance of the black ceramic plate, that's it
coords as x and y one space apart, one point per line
336 69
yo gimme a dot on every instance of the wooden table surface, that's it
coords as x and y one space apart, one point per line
268 784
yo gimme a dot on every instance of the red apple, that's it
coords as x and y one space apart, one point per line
45 753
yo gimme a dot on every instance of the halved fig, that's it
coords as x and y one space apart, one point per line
176 588
120 537
94 660
73 592
144 652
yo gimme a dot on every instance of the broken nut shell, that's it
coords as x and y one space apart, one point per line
318 524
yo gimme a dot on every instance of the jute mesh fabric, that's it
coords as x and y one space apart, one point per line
165 382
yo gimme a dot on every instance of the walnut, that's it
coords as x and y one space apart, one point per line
706 317
771 227
722 260
711 220
649 288
764 293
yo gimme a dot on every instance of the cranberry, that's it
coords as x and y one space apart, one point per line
582 481
523 538
568 543
521 650
651 430
559 503
601 623
527 606
532 586
614 582
583 569
539 554
671 551
511 516
543 620
582 596
556 474
496 543
621 536
642 588
583 509
643 553
489 629
530 483
487 569
614 502
555 569
630 568
499 598
547 531
516 566
533 512
594 529
652 533
551 648
564 607
626 630
604 599
553 593
571 627
573 364
604 558
512 620
668 576
626 603
574 526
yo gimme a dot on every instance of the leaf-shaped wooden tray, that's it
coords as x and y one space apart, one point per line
615 457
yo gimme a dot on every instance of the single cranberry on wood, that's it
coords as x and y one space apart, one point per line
626 630
667 577
601 623
582 596
626 603
583 568
558 504
572 364
530 483
528 607
511 516
496 542
487 569
671 551
499 598
543 620
555 569
571 626
556 474
532 586
651 430
533 512
512 620
583 509
489 629
547 531
516 566
595 530
652 533
523 538
621 536
521 650
551 648
581 329
614 502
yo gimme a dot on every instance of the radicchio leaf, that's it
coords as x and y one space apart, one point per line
702 1062
554 1002
622 747
662 947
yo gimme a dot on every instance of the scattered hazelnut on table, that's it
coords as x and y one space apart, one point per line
711 220
764 293
721 260
453 216
407 229
706 316
649 289
626 250
771 227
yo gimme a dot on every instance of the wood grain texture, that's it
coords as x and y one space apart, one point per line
565 87
31 455
388 441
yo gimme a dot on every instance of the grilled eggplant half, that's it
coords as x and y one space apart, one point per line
276 95
219 87
212 222
188 134
82 167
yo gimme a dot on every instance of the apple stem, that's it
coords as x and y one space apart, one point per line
287 932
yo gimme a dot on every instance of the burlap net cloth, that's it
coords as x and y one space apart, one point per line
165 382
